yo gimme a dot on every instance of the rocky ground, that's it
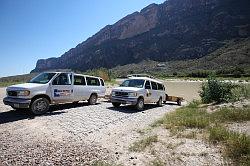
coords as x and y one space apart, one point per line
79 134
71 134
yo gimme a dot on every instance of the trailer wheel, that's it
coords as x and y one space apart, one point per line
179 102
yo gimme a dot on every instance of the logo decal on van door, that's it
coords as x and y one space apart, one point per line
58 92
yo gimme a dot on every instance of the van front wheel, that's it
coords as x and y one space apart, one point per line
40 106
140 104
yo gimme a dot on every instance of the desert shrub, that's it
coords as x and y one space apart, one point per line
232 72
241 92
227 114
216 91
142 144
237 146
190 117
199 74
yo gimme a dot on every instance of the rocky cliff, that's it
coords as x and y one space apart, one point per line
174 30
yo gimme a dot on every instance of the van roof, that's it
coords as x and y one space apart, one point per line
86 75
74 74
146 78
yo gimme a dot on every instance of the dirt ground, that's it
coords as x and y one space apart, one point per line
79 134
71 134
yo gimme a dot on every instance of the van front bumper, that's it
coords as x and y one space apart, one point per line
131 101
16 102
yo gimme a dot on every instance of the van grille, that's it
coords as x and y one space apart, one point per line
12 93
121 94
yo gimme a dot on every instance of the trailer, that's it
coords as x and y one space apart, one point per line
174 99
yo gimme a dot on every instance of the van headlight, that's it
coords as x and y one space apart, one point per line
132 94
23 93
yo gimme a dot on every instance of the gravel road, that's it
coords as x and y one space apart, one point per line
71 134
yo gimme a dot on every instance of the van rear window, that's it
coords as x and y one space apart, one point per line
154 85
160 87
92 81
79 80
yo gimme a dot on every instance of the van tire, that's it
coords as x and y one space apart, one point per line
140 104
92 99
159 102
39 106
116 104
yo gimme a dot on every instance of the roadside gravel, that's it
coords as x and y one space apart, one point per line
72 134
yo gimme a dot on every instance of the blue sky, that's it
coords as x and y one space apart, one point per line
38 29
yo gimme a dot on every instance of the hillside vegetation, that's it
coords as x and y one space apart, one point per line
233 57
11 80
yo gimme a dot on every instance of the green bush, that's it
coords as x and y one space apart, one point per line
216 91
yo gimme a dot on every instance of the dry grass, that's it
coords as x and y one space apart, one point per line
236 145
143 144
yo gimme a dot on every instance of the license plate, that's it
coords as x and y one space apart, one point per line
16 105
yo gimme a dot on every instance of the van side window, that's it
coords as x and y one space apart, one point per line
154 85
62 79
92 81
160 86
147 85
102 82
79 80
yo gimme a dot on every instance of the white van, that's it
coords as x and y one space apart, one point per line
138 91
54 88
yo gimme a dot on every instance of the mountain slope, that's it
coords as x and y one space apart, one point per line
235 53
174 30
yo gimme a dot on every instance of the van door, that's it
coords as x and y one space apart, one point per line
161 91
102 89
80 88
155 96
93 85
62 88
148 95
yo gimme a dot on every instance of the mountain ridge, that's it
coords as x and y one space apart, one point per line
173 30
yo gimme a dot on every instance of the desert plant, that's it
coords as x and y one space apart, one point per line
216 91
231 115
142 144
190 117
241 92
237 146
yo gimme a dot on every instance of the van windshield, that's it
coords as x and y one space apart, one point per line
42 78
133 83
